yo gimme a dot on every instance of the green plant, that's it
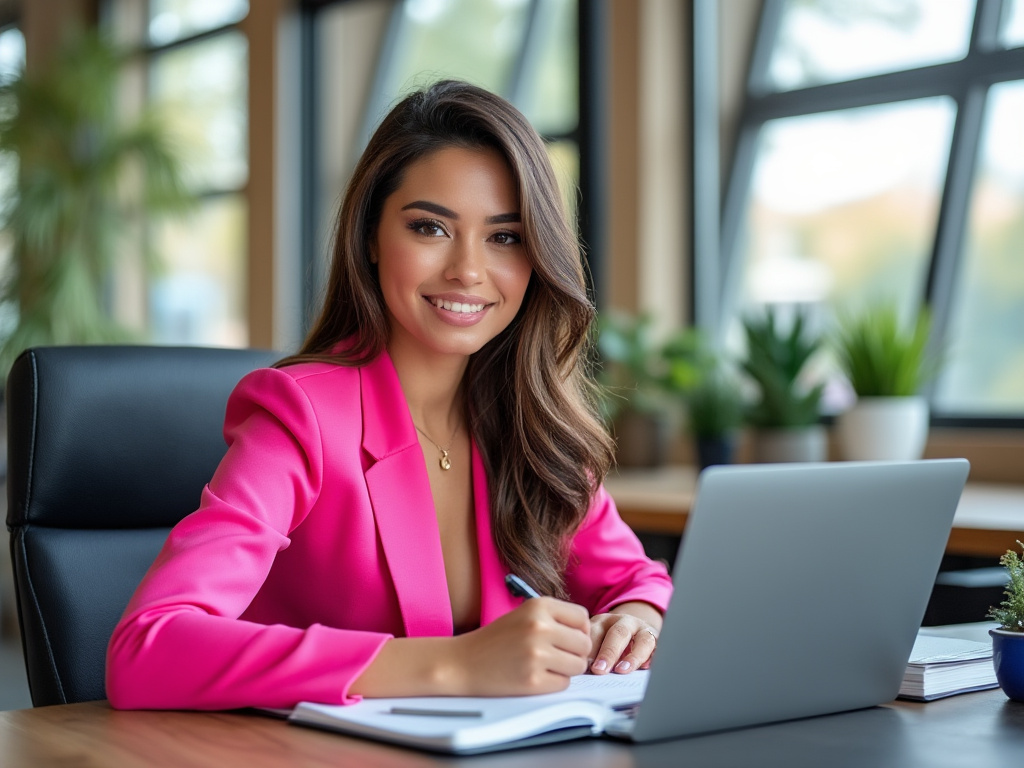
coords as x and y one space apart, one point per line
715 403
84 177
880 357
639 371
1010 613
775 361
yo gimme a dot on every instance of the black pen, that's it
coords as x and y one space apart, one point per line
520 588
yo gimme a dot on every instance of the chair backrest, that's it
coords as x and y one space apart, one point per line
108 448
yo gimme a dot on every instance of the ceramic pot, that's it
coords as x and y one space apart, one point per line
792 444
883 429
1008 659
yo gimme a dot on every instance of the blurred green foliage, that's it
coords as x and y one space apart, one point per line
776 360
880 356
84 176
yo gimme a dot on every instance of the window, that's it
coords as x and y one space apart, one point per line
12 62
880 159
193 67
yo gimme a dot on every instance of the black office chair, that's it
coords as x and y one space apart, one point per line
108 447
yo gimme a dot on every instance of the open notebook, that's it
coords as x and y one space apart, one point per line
469 725
799 590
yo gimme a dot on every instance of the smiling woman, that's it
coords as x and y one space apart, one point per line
436 431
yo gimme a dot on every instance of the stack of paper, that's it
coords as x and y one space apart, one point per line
943 666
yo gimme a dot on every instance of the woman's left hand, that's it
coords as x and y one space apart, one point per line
624 639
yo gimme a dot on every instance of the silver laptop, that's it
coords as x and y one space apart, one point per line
799 590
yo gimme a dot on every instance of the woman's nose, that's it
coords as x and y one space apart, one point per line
466 263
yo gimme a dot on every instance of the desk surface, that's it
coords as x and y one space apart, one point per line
983 729
989 519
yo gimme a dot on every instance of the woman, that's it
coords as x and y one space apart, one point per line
434 433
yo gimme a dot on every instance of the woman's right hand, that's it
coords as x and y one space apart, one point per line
534 649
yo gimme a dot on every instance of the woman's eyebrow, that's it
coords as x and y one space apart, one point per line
440 210
434 208
503 218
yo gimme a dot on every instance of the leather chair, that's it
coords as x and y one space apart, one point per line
108 447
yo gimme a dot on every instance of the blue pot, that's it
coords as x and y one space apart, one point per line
1008 659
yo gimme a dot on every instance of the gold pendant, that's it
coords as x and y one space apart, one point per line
445 462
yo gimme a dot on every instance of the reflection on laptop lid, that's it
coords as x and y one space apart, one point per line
799 590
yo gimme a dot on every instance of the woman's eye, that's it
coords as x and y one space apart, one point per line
427 227
507 238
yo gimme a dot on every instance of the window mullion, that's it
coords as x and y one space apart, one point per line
947 254
733 211
767 35
525 62
985 32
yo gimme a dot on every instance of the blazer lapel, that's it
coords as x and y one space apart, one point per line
402 503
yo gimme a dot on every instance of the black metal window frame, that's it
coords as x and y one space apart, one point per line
967 82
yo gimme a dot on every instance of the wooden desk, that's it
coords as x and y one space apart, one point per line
983 729
988 521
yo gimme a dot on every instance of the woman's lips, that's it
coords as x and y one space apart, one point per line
462 311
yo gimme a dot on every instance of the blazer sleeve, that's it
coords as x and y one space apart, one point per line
180 643
607 563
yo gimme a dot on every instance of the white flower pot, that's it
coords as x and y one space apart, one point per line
793 444
884 429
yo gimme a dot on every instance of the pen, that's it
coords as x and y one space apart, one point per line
520 588
435 712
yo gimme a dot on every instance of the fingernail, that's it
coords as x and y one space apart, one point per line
600 665
622 666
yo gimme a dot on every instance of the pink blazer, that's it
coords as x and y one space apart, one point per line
315 542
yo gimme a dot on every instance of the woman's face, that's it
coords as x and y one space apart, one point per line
450 258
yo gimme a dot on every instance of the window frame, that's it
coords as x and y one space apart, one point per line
142 53
966 81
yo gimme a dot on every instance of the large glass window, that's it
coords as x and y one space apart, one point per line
843 204
880 158
827 41
193 66
173 20
12 61
985 373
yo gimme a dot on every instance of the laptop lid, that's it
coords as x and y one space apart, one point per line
799 590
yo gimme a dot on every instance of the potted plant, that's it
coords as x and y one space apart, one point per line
640 376
887 364
1008 639
715 410
785 414
84 177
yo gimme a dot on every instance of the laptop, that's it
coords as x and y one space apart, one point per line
799 590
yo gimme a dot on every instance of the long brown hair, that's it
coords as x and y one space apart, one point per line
531 404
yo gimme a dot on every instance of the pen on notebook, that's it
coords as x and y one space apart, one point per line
520 588
435 712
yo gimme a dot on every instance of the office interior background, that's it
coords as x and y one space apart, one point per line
718 157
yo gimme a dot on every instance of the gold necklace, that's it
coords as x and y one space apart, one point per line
444 461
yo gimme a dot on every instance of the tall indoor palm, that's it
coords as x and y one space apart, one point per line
81 176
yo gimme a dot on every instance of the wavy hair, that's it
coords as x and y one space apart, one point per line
530 399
